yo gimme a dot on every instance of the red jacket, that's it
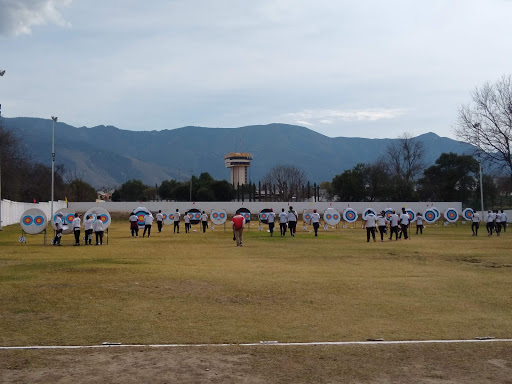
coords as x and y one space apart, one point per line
238 222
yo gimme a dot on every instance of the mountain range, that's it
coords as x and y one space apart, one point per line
106 156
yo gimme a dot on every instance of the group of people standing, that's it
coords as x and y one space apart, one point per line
148 222
398 225
90 225
495 222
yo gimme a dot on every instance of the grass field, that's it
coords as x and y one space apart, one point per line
201 288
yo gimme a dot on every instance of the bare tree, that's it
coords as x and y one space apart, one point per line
486 123
288 179
405 157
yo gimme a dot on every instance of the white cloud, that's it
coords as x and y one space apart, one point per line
17 17
331 116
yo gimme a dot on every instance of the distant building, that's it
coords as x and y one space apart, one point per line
238 162
104 196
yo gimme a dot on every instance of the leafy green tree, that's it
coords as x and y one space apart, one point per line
132 190
79 190
350 185
166 190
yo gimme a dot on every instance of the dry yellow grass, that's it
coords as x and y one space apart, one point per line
201 288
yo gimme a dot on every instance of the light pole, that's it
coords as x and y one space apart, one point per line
54 120
2 72
477 126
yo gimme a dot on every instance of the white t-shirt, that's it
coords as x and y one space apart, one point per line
419 220
186 218
475 218
271 217
315 217
176 216
76 223
159 217
370 220
498 217
490 217
88 223
503 217
148 220
404 219
394 219
292 216
283 217
58 222
98 226
204 217
134 218
381 221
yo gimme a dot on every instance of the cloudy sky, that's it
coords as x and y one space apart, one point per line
368 68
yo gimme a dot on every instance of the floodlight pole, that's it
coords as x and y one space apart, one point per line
2 72
54 120
477 126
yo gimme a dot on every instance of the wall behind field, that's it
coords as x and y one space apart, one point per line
12 210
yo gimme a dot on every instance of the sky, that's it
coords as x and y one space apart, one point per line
368 68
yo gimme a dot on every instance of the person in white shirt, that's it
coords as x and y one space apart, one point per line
88 229
148 222
58 231
404 223
419 223
159 220
475 223
292 221
177 221
134 225
315 220
98 230
504 221
393 223
497 222
382 224
490 223
76 228
186 219
271 219
283 220
204 221
370 223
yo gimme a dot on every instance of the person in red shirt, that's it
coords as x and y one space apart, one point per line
238 224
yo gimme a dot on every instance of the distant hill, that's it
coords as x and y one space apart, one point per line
108 156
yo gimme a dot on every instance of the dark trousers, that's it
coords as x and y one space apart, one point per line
76 232
134 229
205 224
88 236
176 226
99 236
271 228
187 228
490 228
504 226
159 224
292 225
382 231
147 227
315 227
474 227
404 231
395 231
420 228
58 236
282 226
370 231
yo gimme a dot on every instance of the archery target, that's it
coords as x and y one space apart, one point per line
263 216
350 215
331 216
195 215
468 214
388 212
67 219
430 216
141 213
306 217
218 217
245 213
367 211
99 213
33 221
411 213
451 215
438 214
168 218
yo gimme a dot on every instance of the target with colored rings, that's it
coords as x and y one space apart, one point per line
367 212
99 213
430 216
141 213
331 216
39 220
438 214
218 217
66 225
247 216
468 214
307 217
263 216
388 212
411 213
27 220
349 215
69 218
33 221
451 215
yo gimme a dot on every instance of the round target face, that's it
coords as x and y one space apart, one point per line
436 211
66 224
33 221
263 216
367 212
451 215
429 216
331 216
218 217
247 216
99 213
411 214
349 215
307 217
468 213
164 216
388 212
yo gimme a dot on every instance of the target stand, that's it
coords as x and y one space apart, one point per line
23 238
33 222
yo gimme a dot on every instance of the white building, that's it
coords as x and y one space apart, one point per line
239 163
